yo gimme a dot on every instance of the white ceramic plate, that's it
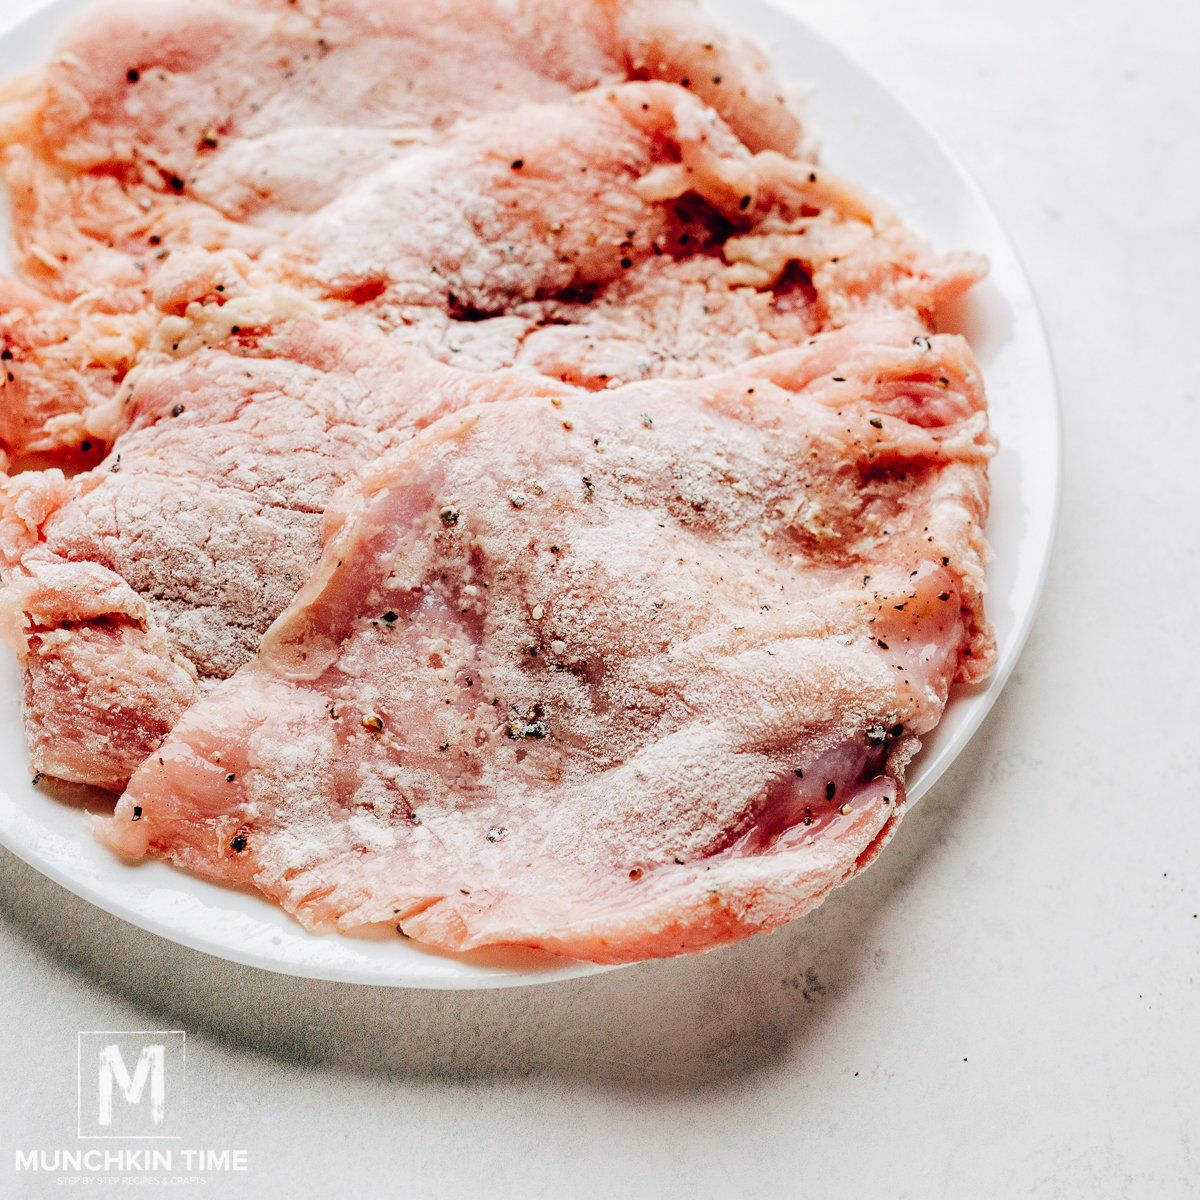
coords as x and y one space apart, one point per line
866 135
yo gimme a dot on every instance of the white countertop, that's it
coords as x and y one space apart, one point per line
1006 1004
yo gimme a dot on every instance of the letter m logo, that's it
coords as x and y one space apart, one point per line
151 1065
130 1084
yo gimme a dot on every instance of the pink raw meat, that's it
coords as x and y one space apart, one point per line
166 563
263 111
473 469
641 682
624 232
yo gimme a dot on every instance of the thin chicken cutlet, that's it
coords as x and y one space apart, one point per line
474 470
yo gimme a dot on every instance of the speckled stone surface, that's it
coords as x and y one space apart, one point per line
1006 1005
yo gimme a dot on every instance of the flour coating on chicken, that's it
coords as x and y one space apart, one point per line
473 468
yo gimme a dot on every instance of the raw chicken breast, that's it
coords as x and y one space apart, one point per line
264 111
626 231
618 679
470 468
165 563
